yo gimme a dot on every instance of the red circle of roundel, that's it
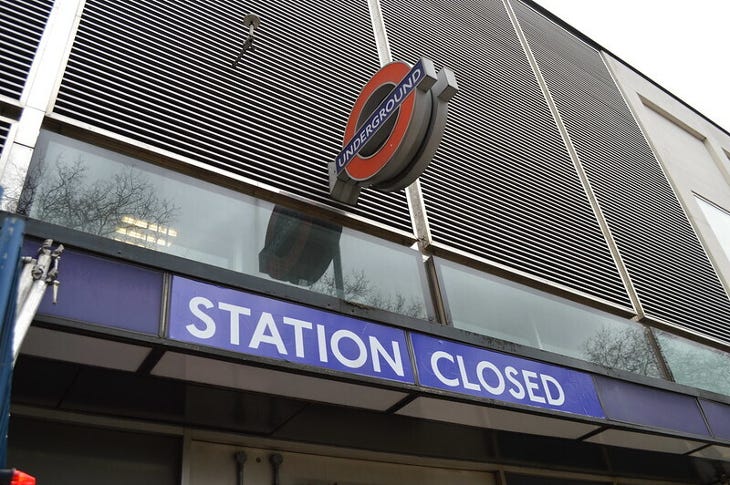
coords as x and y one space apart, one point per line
361 168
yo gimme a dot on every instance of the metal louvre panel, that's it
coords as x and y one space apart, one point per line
159 72
502 185
21 26
673 277
4 129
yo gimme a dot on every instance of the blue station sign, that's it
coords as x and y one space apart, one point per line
245 323
237 321
465 369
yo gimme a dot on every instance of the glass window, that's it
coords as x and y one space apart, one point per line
499 308
719 221
83 187
695 364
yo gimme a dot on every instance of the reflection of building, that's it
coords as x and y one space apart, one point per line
143 233
547 305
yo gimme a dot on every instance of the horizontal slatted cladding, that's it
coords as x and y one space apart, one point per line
502 185
21 26
670 270
160 72
4 129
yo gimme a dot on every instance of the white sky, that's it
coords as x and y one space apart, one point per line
683 45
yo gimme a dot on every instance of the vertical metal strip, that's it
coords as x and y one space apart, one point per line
419 218
165 304
46 72
613 248
381 35
414 195
658 353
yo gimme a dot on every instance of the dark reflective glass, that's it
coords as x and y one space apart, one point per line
492 306
695 364
84 187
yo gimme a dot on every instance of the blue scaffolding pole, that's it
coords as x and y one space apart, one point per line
11 240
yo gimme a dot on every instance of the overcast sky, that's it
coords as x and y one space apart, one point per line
682 45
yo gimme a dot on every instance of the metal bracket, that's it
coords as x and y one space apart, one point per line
34 277
252 21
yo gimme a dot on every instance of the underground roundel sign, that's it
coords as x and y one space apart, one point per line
394 129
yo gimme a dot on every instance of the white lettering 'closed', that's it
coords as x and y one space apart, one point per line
481 367
439 355
558 400
519 391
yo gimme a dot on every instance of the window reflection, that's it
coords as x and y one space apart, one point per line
719 220
492 306
695 364
87 188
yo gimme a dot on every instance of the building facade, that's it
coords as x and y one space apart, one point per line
548 303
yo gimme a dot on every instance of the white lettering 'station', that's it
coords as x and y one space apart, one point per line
485 376
267 331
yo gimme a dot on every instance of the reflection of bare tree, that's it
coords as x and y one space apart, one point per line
621 348
123 201
703 368
357 288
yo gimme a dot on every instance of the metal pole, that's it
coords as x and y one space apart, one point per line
42 273
11 240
